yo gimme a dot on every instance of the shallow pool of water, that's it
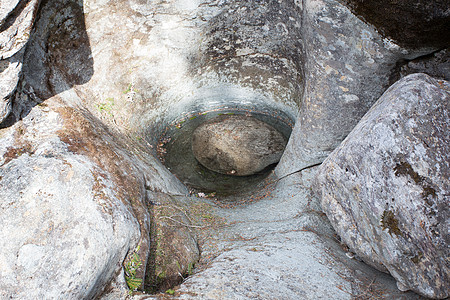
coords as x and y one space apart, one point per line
175 151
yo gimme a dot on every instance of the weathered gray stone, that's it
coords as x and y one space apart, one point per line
49 60
281 247
257 45
73 205
16 21
385 188
129 68
348 67
237 145
70 230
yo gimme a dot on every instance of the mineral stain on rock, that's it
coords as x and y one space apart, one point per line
12 152
416 259
237 145
390 222
405 169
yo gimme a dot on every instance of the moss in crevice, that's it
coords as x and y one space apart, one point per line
174 249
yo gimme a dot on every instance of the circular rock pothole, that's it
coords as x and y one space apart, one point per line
237 145
224 151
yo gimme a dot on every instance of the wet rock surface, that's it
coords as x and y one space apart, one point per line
175 151
237 145
385 188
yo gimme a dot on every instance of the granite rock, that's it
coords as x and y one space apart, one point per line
385 188
436 65
237 145
349 65
73 205
411 23
108 77
72 231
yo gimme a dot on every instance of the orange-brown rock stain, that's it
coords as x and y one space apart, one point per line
86 136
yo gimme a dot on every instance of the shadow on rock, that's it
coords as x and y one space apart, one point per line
412 24
57 57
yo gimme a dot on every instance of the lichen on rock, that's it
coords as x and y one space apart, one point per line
87 86
398 218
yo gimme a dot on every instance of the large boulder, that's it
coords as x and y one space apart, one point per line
73 206
237 145
112 75
385 188
63 227
349 66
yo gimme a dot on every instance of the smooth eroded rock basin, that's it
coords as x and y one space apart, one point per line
237 145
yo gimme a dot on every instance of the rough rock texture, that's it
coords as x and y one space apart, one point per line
58 56
161 57
436 65
114 72
349 64
113 68
16 21
385 188
237 145
74 199
256 45
281 247
71 230
50 55
411 23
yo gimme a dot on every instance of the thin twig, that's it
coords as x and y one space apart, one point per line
179 208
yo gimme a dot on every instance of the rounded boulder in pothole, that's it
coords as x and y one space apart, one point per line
237 145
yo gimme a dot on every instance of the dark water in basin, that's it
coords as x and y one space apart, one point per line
175 151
